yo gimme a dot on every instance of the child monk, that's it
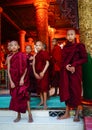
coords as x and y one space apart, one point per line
40 68
73 56
17 73
56 62
32 85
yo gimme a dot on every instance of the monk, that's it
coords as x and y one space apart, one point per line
32 85
19 82
40 69
73 56
55 64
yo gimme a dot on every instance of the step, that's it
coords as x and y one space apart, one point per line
42 121
53 102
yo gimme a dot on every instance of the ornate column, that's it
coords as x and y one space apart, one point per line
51 36
1 10
85 23
22 34
42 19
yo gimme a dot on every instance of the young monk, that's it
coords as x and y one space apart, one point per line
40 68
17 73
56 62
73 56
32 85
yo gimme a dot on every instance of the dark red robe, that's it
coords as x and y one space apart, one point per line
40 62
19 94
70 84
55 65
32 85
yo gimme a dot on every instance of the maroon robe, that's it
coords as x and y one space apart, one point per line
70 84
55 65
19 94
40 62
32 80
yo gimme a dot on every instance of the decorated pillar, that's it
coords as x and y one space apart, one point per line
42 19
85 23
1 10
22 34
51 36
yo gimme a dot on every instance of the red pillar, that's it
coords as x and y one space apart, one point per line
42 19
22 34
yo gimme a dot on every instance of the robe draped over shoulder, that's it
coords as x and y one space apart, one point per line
40 62
19 94
70 84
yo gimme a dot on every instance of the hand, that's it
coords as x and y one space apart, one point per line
12 84
37 76
72 69
68 67
21 82
41 74
31 58
31 64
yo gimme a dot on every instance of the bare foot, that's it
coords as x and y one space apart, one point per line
40 104
17 119
45 107
76 118
30 119
65 116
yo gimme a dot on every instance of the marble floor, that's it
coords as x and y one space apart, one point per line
42 121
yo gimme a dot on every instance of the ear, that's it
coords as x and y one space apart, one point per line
18 47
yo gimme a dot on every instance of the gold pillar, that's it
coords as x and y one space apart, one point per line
1 10
85 23
51 36
42 19
22 34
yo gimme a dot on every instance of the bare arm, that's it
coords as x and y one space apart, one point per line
36 75
9 75
34 65
45 69
22 78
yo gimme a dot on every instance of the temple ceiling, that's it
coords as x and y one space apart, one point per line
23 15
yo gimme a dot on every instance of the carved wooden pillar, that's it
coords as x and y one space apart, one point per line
42 19
85 23
51 36
1 10
22 34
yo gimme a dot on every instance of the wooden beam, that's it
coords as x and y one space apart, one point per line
19 2
23 2
11 21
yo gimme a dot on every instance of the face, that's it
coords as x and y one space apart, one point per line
9 47
14 46
71 35
39 46
54 42
28 49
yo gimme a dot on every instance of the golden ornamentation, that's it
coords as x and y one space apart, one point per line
85 23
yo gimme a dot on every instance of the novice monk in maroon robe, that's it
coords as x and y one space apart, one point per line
19 82
55 65
40 68
73 56
32 85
